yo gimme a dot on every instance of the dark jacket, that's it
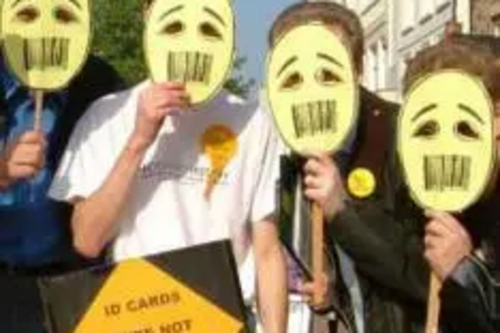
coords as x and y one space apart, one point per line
471 295
378 232
384 233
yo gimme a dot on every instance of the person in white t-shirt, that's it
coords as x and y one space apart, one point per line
139 169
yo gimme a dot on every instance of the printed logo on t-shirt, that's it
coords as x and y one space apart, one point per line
163 171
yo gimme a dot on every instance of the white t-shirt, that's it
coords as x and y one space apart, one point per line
167 209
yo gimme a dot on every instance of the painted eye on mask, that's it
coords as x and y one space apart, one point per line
427 130
65 16
292 81
466 130
173 28
28 15
326 76
209 30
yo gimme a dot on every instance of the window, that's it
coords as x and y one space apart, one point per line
407 15
495 19
363 4
382 65
440 3
425 8
371 67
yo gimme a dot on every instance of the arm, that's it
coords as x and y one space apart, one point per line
468 294
94 218
271 277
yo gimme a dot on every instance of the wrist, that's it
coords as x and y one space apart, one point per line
334 209
138 144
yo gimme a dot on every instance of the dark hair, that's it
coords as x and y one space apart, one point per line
466 55
328 13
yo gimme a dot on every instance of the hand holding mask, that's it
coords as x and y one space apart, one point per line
447 149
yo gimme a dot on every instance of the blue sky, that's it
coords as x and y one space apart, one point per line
253 19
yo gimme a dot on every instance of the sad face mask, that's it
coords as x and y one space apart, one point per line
45 42
312 89
191 42
446 141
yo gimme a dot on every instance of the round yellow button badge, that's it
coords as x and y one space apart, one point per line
361 183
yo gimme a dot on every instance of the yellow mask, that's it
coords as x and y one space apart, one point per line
312 89
445 140
46 42
191 42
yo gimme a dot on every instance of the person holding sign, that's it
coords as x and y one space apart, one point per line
463 249
177 161
39 53
363 296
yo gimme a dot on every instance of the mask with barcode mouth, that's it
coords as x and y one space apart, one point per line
312 90
191 42
45 42
445 140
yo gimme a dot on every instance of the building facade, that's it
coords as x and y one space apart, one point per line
395 30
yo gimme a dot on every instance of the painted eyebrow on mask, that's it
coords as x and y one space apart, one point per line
76 4
287 64
16 3
170 12
423 111
471 112
214 14
329 59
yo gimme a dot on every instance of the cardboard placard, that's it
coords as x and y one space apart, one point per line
192 290
191 42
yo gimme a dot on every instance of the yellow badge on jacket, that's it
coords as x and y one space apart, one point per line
361 183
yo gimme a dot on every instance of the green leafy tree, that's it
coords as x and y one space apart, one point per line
118 29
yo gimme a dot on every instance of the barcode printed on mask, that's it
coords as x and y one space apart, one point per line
314 118
447 172
44 53
189 67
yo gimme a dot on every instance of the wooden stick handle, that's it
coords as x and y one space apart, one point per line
433 305
38 110
317 252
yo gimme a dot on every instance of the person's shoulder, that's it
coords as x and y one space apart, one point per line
112 106
96 78
229 101
96 66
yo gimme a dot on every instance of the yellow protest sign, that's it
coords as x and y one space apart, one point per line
45 42
192 290
160 304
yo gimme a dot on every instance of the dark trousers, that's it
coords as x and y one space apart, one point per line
20 304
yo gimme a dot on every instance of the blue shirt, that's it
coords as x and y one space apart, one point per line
34 229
